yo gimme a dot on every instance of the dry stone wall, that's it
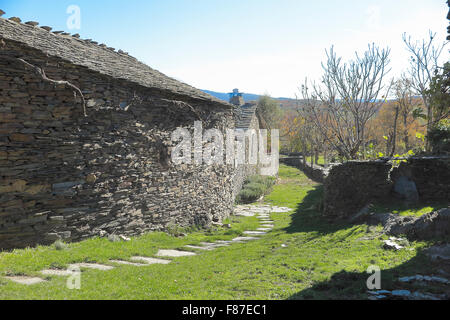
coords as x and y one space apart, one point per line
351 186
245 170
63 175
314 172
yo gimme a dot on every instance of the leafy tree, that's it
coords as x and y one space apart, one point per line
269 112
439 137
439 93
439 134
423 67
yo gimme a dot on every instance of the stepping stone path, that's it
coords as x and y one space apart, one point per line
56 272
94 266
174 253
199 248
25 280
128 263
255 233
240 239
148 260
261 211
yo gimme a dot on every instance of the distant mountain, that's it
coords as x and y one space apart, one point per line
285 103
225 97
247 96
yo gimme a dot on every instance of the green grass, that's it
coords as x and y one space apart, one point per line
320 161
304 257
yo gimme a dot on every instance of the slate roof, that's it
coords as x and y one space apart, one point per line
245 118
99 58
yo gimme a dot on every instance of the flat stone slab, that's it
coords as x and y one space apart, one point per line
242 207
25 280
255 233
94 266
267 221
207 248
174 253
57 272
212 244
238 239
223 242
148 260
281 209
267 225
264 229
129 263
244 213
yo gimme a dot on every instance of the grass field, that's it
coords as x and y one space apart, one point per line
320 161
302 258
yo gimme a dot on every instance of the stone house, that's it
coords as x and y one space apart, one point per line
85 142
246 120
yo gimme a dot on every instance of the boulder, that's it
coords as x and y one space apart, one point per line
432 225
406 189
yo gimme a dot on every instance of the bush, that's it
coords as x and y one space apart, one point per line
439 137
254 188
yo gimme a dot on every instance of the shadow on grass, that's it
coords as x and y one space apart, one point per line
308 216
345 285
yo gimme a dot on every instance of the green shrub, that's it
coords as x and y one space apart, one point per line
258 188
439 137
255 187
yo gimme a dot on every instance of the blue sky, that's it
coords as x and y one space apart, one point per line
259 46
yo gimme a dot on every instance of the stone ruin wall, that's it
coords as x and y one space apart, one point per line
66 176
351 186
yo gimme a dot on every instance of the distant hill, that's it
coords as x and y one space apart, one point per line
247 96
225 97
285 103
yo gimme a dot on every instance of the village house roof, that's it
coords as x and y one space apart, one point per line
246 115
96 57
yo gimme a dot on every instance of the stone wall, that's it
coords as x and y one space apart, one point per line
245 170
63 175
315 172
351 186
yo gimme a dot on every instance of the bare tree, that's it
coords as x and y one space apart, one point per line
348 96
406 102
423 66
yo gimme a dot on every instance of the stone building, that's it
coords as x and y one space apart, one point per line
236 98
246 120
85 142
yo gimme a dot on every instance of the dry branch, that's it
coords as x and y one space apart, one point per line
41 73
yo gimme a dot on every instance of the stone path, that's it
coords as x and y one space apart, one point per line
261 211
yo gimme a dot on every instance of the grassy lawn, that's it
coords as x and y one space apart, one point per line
302 258
320 161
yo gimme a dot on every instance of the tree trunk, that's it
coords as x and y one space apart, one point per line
406 138
429 123
394 134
